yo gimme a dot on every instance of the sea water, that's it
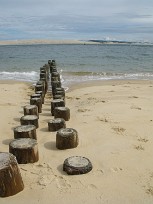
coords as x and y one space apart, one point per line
78 63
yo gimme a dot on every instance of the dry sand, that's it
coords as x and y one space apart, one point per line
37 41
114 120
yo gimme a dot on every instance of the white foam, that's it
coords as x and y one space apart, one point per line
21 76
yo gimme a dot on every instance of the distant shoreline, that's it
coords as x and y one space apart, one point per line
37 42
67 42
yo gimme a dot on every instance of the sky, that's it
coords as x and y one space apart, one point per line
130 20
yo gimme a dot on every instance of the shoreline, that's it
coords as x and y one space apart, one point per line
107 82
52 42
68 42
85 84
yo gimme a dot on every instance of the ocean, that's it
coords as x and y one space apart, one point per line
78 63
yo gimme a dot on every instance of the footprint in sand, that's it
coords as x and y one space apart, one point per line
104 119
92 186
45 180
77 98
150 190
83 110
116 169
119 130
135 107
133 97
143 140
149 187
99 172
139 147
62 183
91 98
69 97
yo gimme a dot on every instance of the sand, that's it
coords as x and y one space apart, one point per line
114 120
45 41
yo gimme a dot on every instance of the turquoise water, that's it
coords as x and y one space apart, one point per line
78 63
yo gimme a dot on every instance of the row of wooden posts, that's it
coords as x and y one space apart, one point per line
24 149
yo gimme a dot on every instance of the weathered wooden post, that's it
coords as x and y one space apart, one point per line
36 95
43 75
55 84
25 150
52 66
47 67
49 62
31 110
57 75
56 124
25 131
43 81
54 69
58 96
29 120
56 103
62 93
59 91
62 112
66 138
37 102
39 87
10 178
42 95
77 165
43 69
54 79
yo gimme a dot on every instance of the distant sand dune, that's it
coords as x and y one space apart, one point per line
39 41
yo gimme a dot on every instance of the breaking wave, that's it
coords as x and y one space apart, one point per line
20 76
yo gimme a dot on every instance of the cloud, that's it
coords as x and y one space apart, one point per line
76 19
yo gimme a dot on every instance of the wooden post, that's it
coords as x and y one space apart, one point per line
43 75
25 150
60 93
37 102
43 81
47 67
66 138
42 95
29 120
56 124
25 131
77 165
56 74
42 69
59 90
36 95
54 69
56 103
58 96
39 88
62 112
10 178
31 110
55 84
49 62
54 79
40 82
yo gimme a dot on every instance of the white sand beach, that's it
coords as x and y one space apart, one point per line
114 120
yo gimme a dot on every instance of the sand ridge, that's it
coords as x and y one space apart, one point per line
44 41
